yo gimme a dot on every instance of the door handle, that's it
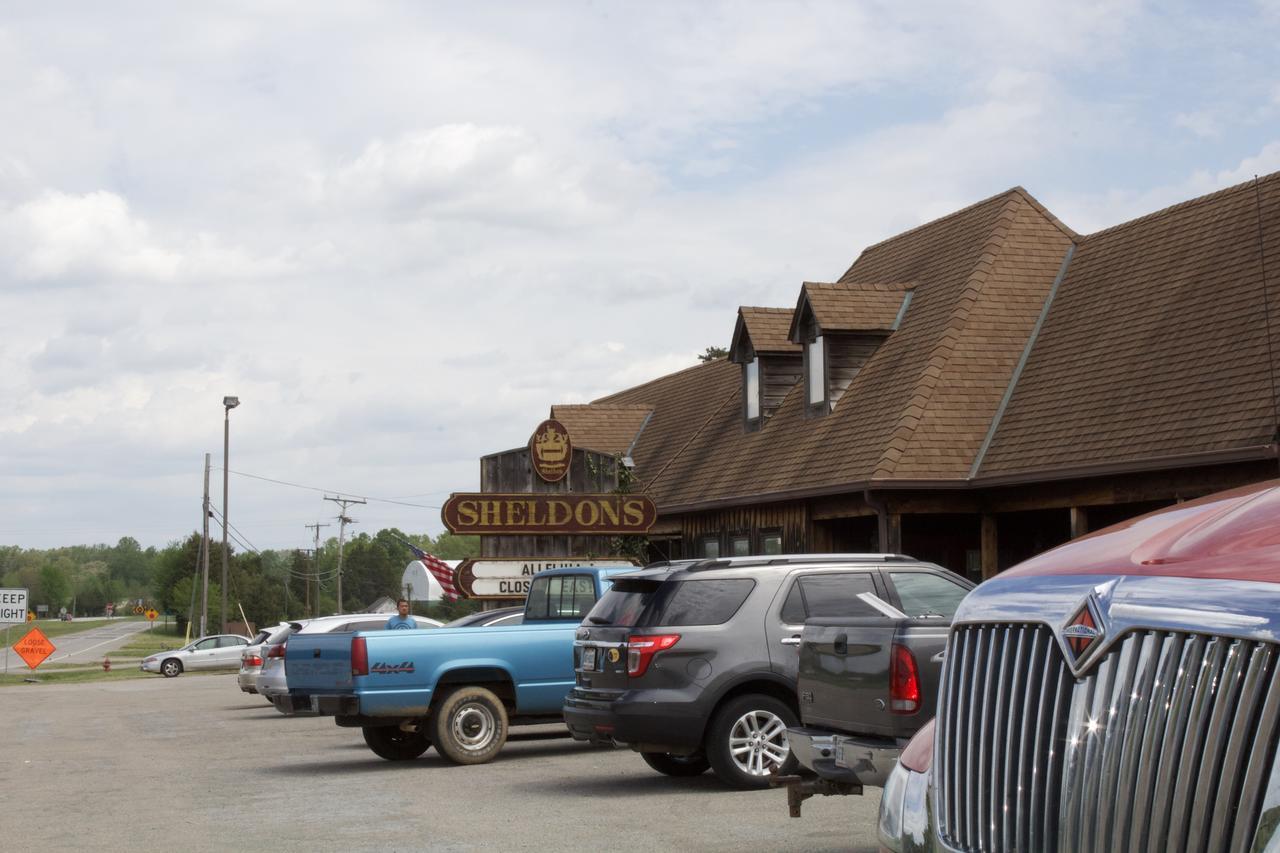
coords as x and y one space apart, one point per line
790 641
841 644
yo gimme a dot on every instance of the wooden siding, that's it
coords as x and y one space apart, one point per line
511 471
791 518
778 375
846 354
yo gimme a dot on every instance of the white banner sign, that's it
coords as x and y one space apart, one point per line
512 569
13 605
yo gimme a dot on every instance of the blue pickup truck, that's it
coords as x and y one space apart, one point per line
458 688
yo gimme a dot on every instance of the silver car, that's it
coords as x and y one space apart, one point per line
221 651
271 679
251 657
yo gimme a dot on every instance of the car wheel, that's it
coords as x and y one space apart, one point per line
470 725
747 743
395 744
171 667
676 765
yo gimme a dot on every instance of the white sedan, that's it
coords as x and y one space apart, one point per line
221 651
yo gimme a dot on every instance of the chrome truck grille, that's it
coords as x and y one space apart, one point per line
1164 744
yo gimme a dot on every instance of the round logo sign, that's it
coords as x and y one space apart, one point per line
550 451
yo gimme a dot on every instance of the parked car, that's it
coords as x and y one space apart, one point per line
481 618
220 651
693 664
1120 692
251 657
272 680
459 689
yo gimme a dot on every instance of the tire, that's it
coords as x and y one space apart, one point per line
171 667
747 742
676 765
469 726
395 744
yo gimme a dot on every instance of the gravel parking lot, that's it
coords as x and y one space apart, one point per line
191 763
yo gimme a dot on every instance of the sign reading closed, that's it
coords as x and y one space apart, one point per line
490 513
509 577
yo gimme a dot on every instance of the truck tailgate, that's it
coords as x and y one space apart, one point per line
843 680
318 663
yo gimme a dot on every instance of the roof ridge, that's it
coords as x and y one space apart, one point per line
912 414
1243 186
952 215
600 405
663 378
765 308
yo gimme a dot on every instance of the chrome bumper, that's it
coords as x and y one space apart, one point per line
842 758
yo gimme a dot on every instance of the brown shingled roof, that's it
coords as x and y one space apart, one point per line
1156 344
768 329
922 402
606 428
851 306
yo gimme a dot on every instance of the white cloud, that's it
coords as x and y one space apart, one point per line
1203 123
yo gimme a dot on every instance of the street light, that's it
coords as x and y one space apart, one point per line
228 403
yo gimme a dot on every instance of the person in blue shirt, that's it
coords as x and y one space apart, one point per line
402 619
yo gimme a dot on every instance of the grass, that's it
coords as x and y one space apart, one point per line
149 642
18 674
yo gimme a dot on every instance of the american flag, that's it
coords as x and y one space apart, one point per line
439 570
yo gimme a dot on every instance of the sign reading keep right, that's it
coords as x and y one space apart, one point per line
13 605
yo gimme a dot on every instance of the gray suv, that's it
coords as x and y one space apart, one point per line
693 664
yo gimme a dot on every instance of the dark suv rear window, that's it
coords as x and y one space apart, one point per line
674 604
560 597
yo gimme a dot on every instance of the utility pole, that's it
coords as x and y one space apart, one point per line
315 566
228 403
204 556
343 521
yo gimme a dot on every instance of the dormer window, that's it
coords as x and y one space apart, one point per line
751 391
816 371
771 363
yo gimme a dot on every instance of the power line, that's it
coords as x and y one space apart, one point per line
362 498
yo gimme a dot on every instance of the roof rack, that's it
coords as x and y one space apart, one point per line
793 560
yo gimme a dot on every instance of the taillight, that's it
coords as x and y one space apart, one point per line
252 660
359 657
904 681
640 651
275 651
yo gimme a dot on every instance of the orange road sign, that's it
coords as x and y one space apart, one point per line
34 647
152 614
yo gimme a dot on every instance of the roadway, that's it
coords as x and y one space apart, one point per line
99 637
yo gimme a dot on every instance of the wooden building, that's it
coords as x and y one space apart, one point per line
973 391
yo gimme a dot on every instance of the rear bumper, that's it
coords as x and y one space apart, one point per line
844 758
648 726
295 705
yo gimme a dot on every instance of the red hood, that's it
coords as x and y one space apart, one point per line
1229 535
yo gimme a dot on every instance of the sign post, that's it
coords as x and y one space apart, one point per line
13 610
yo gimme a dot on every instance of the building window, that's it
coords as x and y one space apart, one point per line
817 375
711 546
740 545
770 542
751 394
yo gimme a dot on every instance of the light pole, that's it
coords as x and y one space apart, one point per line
228 403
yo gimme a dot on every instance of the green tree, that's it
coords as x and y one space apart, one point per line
713 353
55 586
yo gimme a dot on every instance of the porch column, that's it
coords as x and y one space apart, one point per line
989 542
890 533
1079 521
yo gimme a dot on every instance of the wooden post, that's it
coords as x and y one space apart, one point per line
990 566
1079 521
890 533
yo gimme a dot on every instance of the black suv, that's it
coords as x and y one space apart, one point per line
693 664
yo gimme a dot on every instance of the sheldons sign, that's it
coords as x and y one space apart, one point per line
491 513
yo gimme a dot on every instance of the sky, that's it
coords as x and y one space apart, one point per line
401 231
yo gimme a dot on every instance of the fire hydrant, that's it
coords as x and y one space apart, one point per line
106 664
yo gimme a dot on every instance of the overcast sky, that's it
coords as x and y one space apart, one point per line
401 231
